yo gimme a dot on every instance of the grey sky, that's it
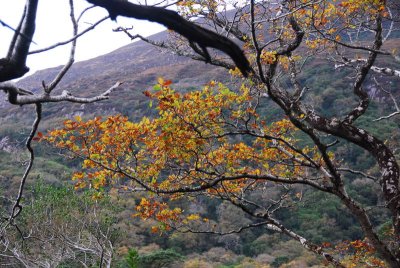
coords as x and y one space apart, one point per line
53 25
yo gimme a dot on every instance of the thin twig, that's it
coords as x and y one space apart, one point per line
69 40
71 59
17 208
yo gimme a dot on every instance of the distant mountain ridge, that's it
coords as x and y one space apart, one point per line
126 63
137 65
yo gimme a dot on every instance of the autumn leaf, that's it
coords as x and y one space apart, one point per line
147 93
38 137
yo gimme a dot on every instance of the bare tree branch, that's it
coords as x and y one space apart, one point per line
17 206
19 97
14 66
202 37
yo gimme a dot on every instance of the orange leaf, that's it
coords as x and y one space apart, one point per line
167 83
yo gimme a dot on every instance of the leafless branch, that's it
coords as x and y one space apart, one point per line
15 65
19 96
179 52
72 39
202 37
358 173
17 206
381 70
71 59
396 105
186 229
361 76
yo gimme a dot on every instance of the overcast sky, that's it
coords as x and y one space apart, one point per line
53 25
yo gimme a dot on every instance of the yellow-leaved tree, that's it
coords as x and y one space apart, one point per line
215 143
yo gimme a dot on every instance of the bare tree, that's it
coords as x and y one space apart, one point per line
59 226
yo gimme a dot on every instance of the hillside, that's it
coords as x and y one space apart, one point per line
138 66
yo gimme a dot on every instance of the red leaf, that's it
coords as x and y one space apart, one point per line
147 93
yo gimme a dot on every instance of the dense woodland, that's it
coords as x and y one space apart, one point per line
264 134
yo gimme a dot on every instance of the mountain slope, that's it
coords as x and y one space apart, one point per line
137 65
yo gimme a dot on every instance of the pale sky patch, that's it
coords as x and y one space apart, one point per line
53 25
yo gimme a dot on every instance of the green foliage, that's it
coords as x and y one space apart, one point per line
132 258
65 204
322 218
258 246
279 261
158 258
63 222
